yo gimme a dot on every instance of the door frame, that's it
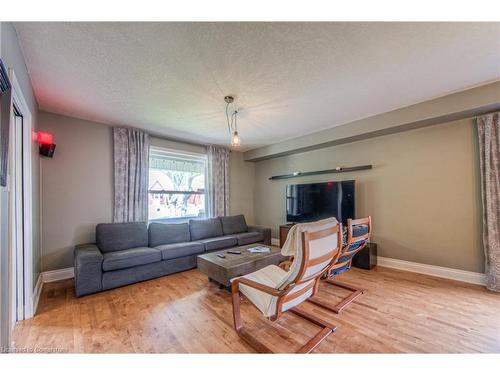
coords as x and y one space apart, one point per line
15 217
27 138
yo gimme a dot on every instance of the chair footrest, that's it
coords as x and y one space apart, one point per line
344 285
313 318
315 341
253 342
336 308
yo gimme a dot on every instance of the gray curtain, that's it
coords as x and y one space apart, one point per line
131 164
218 181
488 129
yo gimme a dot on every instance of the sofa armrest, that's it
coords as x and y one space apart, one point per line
265 231
88 269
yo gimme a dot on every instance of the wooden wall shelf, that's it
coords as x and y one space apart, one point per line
325 171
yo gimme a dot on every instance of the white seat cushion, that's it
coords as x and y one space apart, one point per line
270 276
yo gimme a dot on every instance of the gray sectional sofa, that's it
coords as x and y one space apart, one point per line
126 253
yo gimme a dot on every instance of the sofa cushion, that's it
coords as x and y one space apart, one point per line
179 250
121 236
205 228
234 224
250 237
117 260
218 243
163 234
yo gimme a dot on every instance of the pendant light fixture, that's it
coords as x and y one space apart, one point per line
232 124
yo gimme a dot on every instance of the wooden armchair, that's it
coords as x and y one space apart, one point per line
274 291
355 243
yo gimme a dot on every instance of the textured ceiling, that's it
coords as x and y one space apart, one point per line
289 79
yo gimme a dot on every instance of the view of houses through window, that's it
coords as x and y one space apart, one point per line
176 185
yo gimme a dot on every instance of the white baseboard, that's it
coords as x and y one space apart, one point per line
56 275
47 277
427 269
37 292
275 241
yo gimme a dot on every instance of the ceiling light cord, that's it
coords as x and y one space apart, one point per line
234 127
229 127
231 124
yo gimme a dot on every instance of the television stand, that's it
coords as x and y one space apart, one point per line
367 258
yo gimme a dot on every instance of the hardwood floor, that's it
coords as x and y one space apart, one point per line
400 312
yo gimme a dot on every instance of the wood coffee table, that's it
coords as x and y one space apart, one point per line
222 270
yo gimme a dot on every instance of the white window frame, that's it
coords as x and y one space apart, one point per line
183 155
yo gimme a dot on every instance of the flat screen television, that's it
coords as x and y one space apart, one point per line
311 202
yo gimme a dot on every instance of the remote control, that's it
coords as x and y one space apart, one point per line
221 255
233 252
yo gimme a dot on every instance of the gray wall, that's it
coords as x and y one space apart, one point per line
77 185
241 186
77 190
12 57
423 192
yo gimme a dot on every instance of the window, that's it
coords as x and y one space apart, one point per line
176 185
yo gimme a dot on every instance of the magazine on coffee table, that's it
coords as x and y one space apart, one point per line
259 249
